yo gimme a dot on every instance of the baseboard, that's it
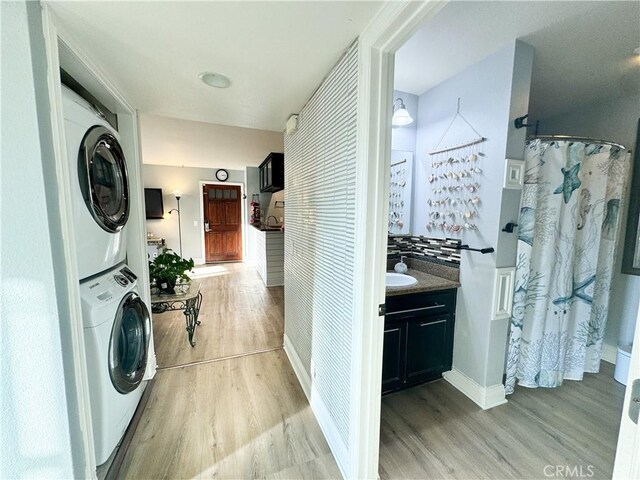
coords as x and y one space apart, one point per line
609 353
331 434
298 367
484 397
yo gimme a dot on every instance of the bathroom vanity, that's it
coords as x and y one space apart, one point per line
419 325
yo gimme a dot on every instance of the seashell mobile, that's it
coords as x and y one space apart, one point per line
455 179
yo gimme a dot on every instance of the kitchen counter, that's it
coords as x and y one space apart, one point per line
426 283
268 244
264 228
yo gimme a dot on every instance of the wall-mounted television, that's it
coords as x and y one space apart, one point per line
153 203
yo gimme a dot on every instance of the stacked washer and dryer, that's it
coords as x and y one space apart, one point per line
117 323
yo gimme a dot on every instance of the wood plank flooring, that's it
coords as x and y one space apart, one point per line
242 418
434 431
238 314
247 417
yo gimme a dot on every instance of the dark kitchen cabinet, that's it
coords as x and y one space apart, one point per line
271 173
418 339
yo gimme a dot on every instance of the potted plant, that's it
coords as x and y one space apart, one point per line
168 269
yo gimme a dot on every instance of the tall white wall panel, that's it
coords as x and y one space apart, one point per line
320 159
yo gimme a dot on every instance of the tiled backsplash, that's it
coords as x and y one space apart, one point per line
426 248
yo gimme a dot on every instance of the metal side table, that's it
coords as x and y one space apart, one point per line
189 302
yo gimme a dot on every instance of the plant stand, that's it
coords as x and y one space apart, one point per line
188 302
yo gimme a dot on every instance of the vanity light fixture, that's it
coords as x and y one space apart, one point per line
216 80
401 116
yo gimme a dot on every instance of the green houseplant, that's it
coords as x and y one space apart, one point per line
168 268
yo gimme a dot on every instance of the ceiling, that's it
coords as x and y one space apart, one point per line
583 50
275 53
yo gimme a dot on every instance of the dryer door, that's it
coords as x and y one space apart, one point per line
129 344
102 171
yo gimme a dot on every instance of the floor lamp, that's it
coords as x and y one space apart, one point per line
178 194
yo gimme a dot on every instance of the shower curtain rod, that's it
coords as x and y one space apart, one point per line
579 139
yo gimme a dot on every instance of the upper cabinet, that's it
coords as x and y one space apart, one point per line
272 173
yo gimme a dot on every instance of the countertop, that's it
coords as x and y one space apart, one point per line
264 228
426 283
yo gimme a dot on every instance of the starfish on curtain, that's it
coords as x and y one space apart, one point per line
570 183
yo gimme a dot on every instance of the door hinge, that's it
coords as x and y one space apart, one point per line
382 309
634 404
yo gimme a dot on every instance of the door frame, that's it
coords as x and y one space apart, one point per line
76 376
392 26
243 214
387 32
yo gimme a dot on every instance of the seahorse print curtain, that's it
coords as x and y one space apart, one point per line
566 238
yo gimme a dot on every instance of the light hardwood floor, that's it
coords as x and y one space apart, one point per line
240 418
247 417
238 315
434 431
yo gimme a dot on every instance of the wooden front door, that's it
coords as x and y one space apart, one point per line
222 223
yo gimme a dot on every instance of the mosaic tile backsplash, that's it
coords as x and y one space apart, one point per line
426 248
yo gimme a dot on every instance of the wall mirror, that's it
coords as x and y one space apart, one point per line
631 254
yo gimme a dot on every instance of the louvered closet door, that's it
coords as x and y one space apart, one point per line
320 203
222 217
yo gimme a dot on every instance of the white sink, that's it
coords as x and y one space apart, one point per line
399 280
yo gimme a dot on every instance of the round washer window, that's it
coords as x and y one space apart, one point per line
103 178
129 343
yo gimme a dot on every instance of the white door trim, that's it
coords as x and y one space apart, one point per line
136 242
391 27
243 216
80 385
627 461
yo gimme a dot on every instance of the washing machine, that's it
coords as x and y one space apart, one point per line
117 329
99 183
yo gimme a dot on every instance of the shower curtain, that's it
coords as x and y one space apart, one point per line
566 238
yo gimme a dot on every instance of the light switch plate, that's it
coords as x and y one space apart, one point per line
514 174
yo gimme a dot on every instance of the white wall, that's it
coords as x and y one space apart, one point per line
38 420
187 180
171 141
492 92
615 120
178 154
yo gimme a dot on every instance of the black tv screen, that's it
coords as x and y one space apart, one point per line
153 203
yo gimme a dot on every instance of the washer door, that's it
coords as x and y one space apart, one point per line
102 172
129 344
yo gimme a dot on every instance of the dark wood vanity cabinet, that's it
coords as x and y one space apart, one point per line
271 173
418 338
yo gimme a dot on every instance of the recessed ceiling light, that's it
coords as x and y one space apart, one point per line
215 79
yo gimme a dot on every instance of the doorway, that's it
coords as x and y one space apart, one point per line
222 207
434 113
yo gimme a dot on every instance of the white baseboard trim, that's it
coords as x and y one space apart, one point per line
609 353
484 397
298 367
331 434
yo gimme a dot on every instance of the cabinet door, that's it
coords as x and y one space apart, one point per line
269 174
393 356
429 348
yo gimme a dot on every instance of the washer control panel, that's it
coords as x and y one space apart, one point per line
106 288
